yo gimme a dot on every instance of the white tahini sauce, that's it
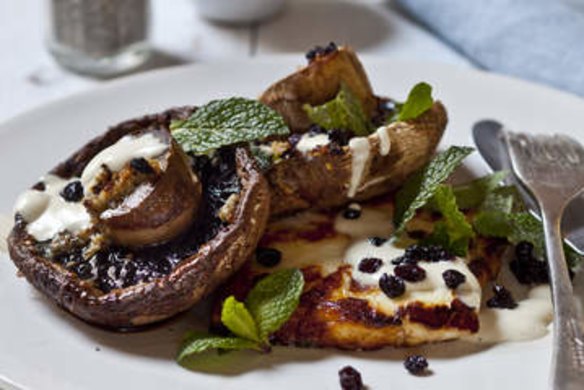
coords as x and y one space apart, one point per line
360 150
372 223
430 290
5 228
310 142
47 213
376 222
382 134
146 145
528 321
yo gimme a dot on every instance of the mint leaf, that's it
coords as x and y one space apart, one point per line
472 195
198 342
492 223
494 216
517 227
418 102
273 300
504 199
271 303
226 122
343 112
454 232
525 227
237 319
441 236
420 187
573 258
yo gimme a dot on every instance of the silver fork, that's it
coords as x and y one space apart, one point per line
552 167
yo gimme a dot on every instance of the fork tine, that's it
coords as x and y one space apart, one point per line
541 146
559 149
520 145
552 148
573 149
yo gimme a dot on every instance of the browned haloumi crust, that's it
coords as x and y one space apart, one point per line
334 309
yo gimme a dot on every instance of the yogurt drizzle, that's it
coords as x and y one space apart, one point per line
430 290
47 213
361 151
146 145
382 134
528 321
310 142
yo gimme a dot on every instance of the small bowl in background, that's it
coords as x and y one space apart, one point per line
238 11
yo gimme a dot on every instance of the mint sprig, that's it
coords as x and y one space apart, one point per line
199 342
418 102
454 232
344 112
268 306
227 122
422 186
472 195
517 227
271 300
238 319
496 210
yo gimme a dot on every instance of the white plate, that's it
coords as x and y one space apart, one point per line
42 347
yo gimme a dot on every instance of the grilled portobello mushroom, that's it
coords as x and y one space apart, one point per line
316 168
129 230
142 231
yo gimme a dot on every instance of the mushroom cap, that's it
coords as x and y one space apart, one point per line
317 83
323 178
188 282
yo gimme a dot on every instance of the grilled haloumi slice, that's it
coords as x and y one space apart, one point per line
344 307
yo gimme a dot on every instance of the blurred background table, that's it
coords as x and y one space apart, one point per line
30 77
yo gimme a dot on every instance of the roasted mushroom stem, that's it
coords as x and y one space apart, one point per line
317 83
149 201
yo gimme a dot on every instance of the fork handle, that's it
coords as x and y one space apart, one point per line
568 352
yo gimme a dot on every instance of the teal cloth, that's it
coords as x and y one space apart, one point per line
539 40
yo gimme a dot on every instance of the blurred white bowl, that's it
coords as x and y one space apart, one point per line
238 11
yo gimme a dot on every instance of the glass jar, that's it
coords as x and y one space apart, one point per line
99 37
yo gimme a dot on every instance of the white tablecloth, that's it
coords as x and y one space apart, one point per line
29 76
